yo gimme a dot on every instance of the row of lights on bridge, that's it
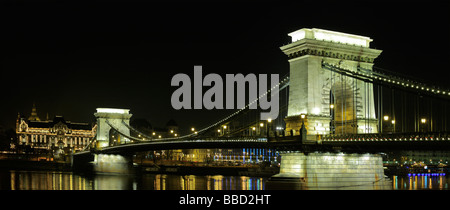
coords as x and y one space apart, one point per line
402 83
159 136
386 118
224 127
253 128
246 106
430 138
409 85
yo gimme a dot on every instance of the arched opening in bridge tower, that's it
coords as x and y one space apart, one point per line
343 111
114 137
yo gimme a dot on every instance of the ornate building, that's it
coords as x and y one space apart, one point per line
52 135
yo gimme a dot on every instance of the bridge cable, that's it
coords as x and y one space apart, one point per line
383 79
282 85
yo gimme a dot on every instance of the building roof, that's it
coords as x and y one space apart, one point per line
56 120
34 115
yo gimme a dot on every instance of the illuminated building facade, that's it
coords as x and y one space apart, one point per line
53 134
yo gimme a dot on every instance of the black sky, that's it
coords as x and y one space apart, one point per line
72 58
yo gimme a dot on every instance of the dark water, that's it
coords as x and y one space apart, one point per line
54 180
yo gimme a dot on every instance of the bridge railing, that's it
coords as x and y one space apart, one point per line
435 136
194 140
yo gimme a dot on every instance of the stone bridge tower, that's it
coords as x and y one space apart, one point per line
332 103
115 118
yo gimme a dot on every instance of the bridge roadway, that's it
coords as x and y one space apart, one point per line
388 142
80 159
360 143
373 143
287 142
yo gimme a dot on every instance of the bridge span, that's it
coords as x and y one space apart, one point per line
182 144
333 100
361 143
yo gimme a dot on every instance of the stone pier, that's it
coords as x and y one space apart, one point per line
331 171
112 164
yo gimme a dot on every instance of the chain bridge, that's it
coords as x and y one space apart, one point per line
333 99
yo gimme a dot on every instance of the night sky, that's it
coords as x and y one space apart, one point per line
72 58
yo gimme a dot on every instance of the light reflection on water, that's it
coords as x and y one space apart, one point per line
53 180
191 182
44 180
424 182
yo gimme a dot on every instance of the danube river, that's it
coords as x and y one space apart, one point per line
55 180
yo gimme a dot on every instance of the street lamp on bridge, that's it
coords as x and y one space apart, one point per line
261 125
269 127
423 122
224 129
332 122
393 126
385 118
193 130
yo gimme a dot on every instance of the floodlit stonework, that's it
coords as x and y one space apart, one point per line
115 117
313 89
334 170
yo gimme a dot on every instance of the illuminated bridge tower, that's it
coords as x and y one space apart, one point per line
115 117
331 102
